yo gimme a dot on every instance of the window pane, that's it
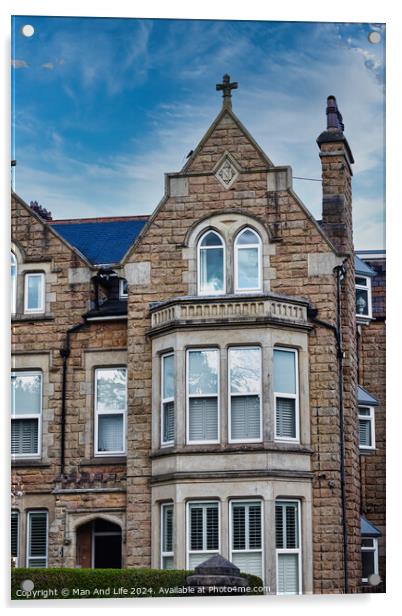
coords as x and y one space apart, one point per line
247 268
286 526
286 417
211 239
211 270
26 394
37 549
362 302
279 526
110 433
368 564
361 281
168 376
288 574
111 389
284 372
245 370
167 542
247 237
196 527
203 419
167 562
367 542
203 372
212 534
239 527
254 526
248 562
365 432
24 436
292 540
14 534
245 417
34 291
168 422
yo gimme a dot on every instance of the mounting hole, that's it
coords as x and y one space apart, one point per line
28 30
374 37
27 585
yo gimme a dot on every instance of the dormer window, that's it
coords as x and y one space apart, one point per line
211 264
248 262
363 297
123 288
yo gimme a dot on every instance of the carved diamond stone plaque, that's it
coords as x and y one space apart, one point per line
227 173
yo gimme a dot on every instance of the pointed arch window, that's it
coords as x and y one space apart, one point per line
248 269
211 264
13 283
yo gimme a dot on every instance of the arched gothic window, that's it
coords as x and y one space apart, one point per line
248 269
211 264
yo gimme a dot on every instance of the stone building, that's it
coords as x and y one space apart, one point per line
208 379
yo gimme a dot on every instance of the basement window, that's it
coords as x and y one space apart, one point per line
363 297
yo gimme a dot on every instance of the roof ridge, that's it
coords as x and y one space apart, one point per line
99 219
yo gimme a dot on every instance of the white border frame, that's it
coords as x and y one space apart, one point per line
295 397
164 401
218 396
41 308
37 416
123 412
210 293
206 552
298 551
163 554
371 419
374 549
247 501
236 249
27 554
366 287
243 440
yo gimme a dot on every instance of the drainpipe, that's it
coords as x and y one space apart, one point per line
339 271
65 353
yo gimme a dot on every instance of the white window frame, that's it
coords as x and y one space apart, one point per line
97 413
37 416
217 395
166 400
295 397
373 549
122 294
366 287
199 248
14 263
371 419
188 523
163 554
243 440
247 501
16 514
28 544
237 248
41 307
297 551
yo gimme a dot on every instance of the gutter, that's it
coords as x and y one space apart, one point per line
65 353
340 271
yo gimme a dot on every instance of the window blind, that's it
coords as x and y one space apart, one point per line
247 537
365 432
110 432
286 417
14 534
203 419
24 436
245 417
37 548
168 422
288 574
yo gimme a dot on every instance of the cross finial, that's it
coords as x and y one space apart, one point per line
227 88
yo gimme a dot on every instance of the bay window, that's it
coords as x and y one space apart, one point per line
366 427
110 410
286 394
26 414
246 536
245 394
247 260
202 532
37 541
34 295
167 553
167 399
203 396
211 264
288 552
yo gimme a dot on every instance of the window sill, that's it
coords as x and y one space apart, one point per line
231 448
104 461
367 452
18 318
27 463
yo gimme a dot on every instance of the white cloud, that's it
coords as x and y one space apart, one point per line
19 64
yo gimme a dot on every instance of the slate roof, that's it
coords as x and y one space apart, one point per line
368 529
362 268
365 398
103 241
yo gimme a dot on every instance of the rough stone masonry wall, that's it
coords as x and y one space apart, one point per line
161 245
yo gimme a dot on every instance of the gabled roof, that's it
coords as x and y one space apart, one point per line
362 268
103 241
364 398
368 529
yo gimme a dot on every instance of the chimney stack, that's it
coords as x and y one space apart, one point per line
336 161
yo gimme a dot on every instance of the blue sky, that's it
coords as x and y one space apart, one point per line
103 107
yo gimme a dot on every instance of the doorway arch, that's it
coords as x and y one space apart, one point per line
99 544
